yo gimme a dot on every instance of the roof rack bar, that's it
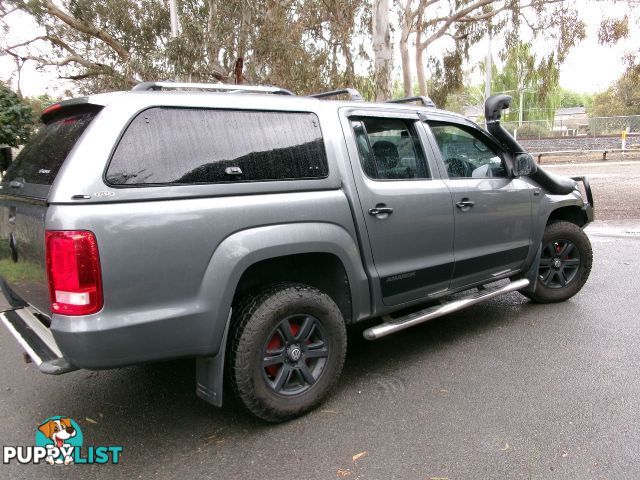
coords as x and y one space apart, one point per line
154 86
426 101
354 95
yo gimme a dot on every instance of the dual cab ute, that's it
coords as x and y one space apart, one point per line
247 227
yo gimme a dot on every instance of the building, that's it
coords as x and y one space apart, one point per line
571 121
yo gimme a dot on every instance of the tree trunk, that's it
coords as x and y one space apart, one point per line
422 77
404 48
382 52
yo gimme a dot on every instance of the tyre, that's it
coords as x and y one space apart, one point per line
287 350
565 263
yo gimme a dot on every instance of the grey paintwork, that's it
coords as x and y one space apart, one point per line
172 256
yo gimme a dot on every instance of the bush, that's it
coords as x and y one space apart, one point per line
16 118
533 130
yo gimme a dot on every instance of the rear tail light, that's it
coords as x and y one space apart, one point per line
73 268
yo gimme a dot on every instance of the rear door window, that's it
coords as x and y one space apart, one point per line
389 149
41 158
190 146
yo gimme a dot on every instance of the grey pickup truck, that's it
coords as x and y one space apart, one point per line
247 227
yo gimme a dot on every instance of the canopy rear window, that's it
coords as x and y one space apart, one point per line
41 159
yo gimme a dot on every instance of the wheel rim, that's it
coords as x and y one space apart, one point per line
559 264
294 355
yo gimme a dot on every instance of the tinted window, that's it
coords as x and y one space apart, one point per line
389 149
466 155
41 159
185 146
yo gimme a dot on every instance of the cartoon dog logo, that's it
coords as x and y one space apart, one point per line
59 431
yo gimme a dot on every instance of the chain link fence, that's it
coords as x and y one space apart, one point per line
575 127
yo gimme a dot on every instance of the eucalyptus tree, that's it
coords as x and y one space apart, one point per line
113 44
466 22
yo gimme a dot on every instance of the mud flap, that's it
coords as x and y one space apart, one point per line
210 372
532 273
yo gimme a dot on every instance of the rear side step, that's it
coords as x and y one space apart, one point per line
36 340
430 313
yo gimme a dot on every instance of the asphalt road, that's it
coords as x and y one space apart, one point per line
506 389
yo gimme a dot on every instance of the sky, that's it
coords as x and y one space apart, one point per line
589 67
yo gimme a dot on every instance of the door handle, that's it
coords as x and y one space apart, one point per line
380 209
465 203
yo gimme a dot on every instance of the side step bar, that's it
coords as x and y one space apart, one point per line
36 340
416 318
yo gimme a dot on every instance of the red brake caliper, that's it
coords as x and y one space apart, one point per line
275 344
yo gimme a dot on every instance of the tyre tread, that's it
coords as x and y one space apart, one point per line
240 358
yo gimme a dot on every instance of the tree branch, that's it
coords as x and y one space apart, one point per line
462 15
87 28
95 68
25 43
4 13
487 16
454 17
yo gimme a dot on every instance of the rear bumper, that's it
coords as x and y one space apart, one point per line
36 340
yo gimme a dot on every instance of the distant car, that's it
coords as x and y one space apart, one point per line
247 227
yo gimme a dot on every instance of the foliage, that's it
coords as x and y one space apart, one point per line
15 118
532 130
623 98
446 77
302 45
564 98
614 29
469 95
38 104
466 22
527 78
113 44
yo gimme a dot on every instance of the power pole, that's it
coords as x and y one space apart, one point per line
173 14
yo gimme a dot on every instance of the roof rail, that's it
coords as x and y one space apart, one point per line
426 101
354 95
154 86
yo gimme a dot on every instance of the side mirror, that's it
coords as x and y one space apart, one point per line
5 158
524 165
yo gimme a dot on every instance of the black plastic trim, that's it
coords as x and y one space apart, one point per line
492 260
408 281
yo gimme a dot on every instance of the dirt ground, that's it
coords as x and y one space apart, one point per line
615 185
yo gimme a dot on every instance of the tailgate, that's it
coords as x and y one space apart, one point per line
23 206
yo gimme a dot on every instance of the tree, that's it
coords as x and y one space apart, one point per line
382 53
567 98
16 119
528 79
613 29
623 98
467 21
113 44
